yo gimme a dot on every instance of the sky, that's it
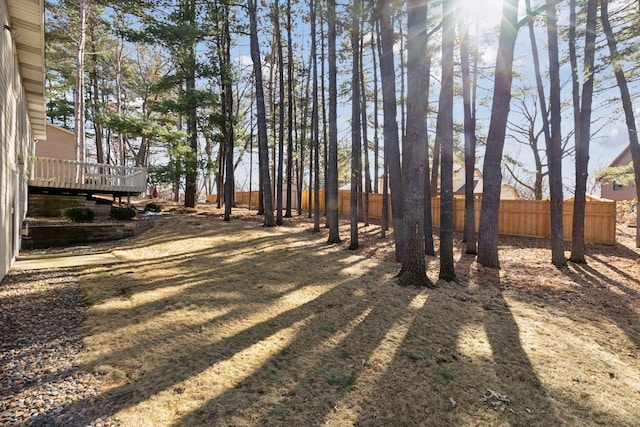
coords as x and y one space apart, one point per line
486 13
605 145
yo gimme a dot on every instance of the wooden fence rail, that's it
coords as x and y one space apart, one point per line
528 218
244 197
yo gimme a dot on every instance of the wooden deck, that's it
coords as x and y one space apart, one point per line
74 176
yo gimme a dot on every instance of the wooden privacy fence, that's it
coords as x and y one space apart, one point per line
243 198
529 218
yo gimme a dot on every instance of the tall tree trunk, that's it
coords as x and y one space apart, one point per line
118 83
627 105
312 100
554 149
488 236
191 170
573 61
444 132
79 116
413 271
142 156
325 127
263 144
303 140
272 102
251 135
385 163
469 136
429 248
365 138
428 219
315 149
583 136
289 113
281 115
177 178
391 141
332 167
376 141
192 162
435 168
222 148
227 84
403 99
356 137
95 104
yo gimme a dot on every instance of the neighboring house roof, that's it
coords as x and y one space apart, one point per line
616 191
624 158
51 126
508 192
459 178
26 18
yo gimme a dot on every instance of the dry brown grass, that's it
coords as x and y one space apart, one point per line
214 323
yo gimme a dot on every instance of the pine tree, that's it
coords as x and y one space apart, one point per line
265 180
413 271
488 236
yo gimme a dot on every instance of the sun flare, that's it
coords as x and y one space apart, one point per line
485 12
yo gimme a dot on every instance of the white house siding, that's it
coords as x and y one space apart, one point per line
16 144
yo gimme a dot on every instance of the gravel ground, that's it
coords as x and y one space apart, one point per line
41 380
41 383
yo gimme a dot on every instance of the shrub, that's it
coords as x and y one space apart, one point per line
122 213
79 214
152 207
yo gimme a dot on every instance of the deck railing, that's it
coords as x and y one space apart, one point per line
70 174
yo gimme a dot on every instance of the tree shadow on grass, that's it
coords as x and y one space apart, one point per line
185 351
342 347
305 380
394 360
608 298
618 271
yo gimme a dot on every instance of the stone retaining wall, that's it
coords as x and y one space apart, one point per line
52 205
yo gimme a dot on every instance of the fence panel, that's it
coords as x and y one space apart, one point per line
251 198
528 218
244 197
599 221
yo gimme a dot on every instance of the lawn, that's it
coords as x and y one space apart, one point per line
207 322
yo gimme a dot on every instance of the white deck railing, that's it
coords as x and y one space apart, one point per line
71 174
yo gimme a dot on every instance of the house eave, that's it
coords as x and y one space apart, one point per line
27 18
